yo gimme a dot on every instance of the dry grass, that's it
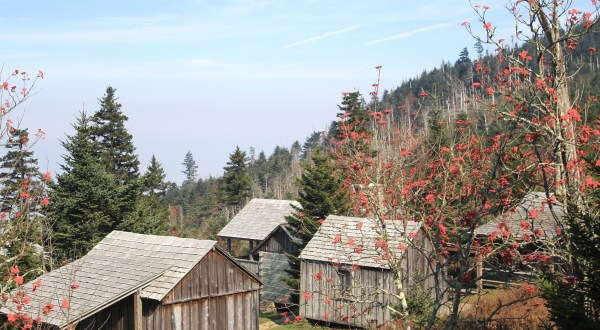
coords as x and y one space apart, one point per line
519 311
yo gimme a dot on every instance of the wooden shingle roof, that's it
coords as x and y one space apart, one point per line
258 219
546 219
356 241
115 268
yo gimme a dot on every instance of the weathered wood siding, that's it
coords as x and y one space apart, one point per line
278 242
417 263
272 267
365 303
118 316
231 312
252 266
215 294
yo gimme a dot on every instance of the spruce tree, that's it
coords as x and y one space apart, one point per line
85 198
116 150
191 169
149 215
321 194
236 183
153 180
574 300
20 192
17 165
353 115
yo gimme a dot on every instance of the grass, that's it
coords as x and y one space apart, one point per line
274 317
521 311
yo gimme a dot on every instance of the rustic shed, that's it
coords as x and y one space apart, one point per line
262 223
345 274
534 210
134 281
534 222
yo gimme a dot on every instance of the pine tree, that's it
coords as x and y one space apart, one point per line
117 153
116 150
321 194
574 301
153 180
237 184
353 114
86 197
191 169
21 189
18 165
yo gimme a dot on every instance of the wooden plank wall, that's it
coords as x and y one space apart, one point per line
215 294
417 262
272 267
364 305
252 266
215 275
118 316
279 242
227 312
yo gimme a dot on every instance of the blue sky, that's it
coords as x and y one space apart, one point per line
206 76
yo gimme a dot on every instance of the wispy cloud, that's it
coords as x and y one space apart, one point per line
408 34
319 37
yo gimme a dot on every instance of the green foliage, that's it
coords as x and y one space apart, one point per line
148 217
115 145
100 189
85 197
420 303
21 188
574 301
321 195
236 183
153 181
353 113
18 165
191 169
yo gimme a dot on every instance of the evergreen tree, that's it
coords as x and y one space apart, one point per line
116 150
149 216
574 301
310 144
353 114
464 67
237 184
191 169
321 194
21 227
86 197
17 165
153 180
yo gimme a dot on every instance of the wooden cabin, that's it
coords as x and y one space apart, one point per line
134 281
273 263
262 225
533 223
345 273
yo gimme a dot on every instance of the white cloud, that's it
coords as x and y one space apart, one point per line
408 34
319 37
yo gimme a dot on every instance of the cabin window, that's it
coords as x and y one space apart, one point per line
345 278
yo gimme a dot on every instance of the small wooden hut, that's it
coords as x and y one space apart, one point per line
262 224
345 276
533 223
134 281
